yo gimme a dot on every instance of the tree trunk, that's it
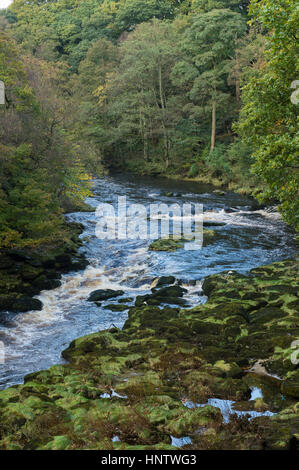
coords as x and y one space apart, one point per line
213 132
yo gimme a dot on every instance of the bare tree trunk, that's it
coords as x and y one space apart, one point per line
213 132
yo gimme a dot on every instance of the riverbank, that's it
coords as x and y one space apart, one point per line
174 376
24 273
245 189
239 180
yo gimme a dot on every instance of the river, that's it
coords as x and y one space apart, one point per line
248 238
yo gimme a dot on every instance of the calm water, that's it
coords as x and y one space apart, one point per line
34 340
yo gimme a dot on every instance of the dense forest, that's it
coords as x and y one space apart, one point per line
120 332
190 89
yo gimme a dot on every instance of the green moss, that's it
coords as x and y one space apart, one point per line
170 244
116 307
209 237
166 245
161 358
58 443
188 421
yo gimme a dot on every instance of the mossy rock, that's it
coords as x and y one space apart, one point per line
209 237
165 281
166 244
104 294
58 443
162 358
267 314
219 192
169 291
191 420
25 304
229 369
6 301
28 273
116 307
163 295
43 283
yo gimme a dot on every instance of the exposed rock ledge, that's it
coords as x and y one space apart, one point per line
130 388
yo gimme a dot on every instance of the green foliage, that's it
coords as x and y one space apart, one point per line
154 100
269 120
133 12
138 97
194 170
209 44
240 153
155 86
218 162
203 6
37 161
66 29
150 96
29 213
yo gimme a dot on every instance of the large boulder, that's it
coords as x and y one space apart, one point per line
165 281
43 283
166 244
171 291
25 304
166 295
104 294
6 301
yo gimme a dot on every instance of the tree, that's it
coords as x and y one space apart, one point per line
90 124
140 96
38 166
133 12
269 120
249 55
208 46
203 6
66 29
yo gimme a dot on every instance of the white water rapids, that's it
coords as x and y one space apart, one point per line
34 340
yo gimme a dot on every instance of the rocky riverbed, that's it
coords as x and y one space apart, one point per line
220 375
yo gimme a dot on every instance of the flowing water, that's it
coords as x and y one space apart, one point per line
34 340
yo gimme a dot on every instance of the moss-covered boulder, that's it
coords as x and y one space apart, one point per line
139 387
23 304
167 244
24 273
104 294
116 307
171 244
